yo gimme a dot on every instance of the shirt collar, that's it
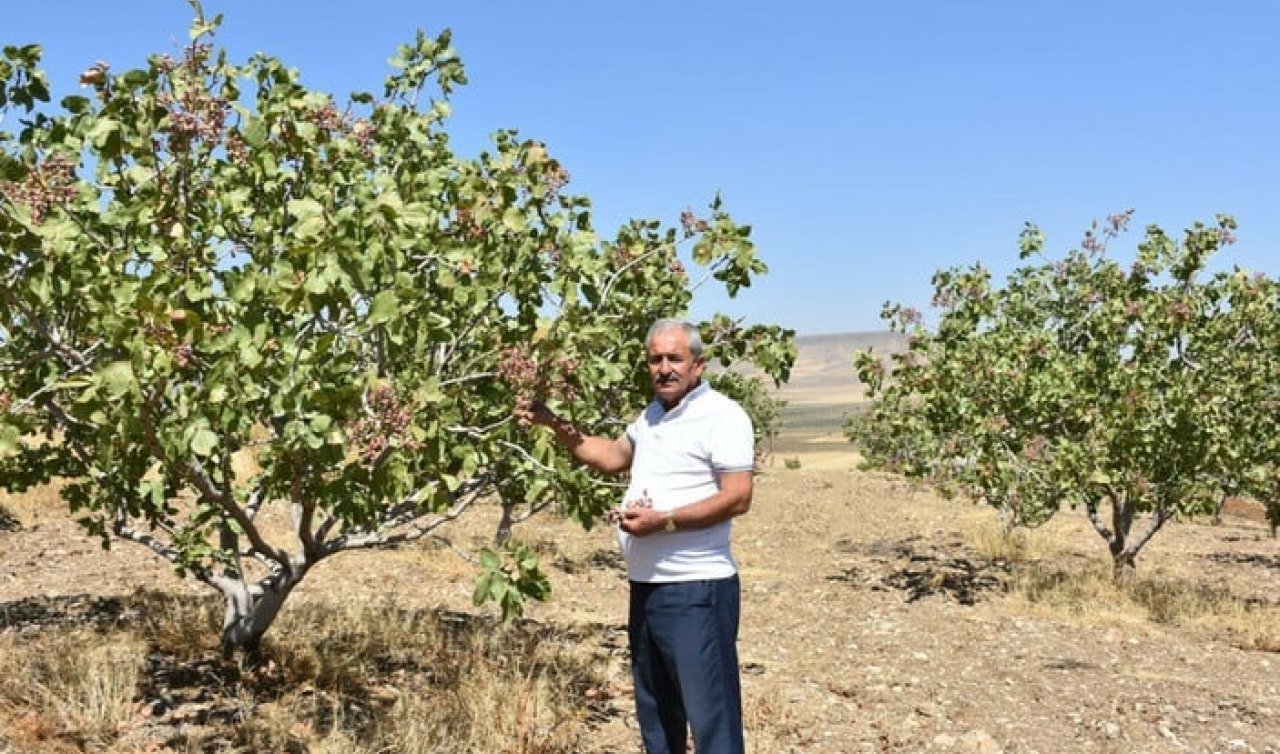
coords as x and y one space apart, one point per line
699 390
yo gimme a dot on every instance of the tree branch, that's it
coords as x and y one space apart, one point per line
1159 518
617 274
69 355
1095 518
404 513
303 510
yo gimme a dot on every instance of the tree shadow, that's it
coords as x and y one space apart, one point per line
1270 562
955 578
601 559
921 569
49 612
8 521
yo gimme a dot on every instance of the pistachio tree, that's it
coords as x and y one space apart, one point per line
1244 455
253 326
1138 392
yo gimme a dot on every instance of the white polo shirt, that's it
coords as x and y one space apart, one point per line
676 456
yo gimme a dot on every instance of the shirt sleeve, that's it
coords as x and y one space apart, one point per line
733 442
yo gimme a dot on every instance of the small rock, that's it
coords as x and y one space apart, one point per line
980 742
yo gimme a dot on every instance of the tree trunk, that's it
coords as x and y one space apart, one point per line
250 609
1123 565
503 533
248 616
1217 511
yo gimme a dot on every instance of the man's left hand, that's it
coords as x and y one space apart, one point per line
642 521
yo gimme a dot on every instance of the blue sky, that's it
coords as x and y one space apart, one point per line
868 144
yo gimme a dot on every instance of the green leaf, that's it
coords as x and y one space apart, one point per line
254 132
385 307
117 378
10 440
513 220
105 135
203 442
75 104
481 592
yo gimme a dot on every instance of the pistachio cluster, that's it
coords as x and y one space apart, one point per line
386 422
52 184
531 382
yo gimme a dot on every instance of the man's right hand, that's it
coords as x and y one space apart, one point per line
535 413
611 456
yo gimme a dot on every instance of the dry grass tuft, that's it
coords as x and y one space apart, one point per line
67 691
1016 546
376 677
771 723
30 507
1091 593
357 678
183 627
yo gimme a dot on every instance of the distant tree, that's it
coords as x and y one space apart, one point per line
254 327
757 346
1245 453
1084 382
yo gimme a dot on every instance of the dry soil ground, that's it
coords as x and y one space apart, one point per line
869 624
871 620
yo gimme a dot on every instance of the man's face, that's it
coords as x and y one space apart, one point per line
672 368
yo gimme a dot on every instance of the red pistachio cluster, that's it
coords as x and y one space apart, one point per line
95 76
620 255
326 117
552 252
1180 311
910 316
363 133
557 178
387 419
467 225
51 184
237 149
532 382
183 353
1035 449
195 116
692 224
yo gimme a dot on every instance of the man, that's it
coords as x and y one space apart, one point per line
691 458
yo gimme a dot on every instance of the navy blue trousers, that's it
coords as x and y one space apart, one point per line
684 661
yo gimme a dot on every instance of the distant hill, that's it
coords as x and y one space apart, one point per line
823 372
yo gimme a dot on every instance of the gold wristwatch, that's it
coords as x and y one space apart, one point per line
671 521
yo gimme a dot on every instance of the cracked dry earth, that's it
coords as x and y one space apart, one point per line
870 623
